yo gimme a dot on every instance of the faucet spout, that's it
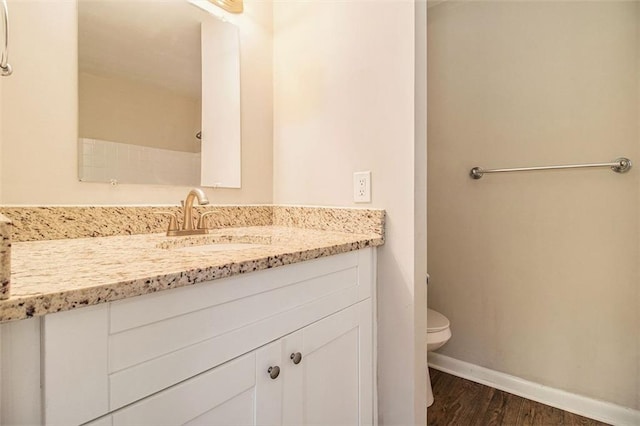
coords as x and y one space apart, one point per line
198 193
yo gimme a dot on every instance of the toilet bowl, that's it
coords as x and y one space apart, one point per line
438 333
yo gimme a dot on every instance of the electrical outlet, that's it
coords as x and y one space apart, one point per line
362 187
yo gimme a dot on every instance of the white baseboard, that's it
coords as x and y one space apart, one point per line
588 407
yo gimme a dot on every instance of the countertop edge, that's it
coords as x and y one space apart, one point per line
24 307
5 257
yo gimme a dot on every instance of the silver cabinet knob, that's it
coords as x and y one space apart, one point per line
274 372
296 358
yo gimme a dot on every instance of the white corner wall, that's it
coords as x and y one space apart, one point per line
344 101
538 272
39 113
420 205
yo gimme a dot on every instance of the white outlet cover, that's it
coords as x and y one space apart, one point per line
362 187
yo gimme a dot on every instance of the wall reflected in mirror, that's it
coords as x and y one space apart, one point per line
140 90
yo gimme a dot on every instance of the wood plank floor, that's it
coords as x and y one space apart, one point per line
465 403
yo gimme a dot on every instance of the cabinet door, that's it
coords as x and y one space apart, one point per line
222 396
333 382
269 384
240 392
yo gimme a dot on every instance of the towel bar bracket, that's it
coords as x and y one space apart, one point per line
5 68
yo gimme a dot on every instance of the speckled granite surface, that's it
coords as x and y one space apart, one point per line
53 223
331 218
5 257
58 275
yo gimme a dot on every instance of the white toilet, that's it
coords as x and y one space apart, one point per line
438 333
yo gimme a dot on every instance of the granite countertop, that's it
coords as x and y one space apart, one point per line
58 275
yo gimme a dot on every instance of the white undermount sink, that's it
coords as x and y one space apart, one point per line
213 243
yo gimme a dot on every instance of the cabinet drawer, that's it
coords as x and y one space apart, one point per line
136 345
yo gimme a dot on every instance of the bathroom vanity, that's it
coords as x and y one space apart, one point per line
239 341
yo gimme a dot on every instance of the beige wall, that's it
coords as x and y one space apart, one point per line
638 218
344 102
124 110
39 113
538 272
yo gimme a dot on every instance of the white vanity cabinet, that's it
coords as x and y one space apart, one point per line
201 354
331 384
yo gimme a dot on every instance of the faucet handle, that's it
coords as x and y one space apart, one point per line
201 219
173 220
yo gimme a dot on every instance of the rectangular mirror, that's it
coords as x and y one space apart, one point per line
158 94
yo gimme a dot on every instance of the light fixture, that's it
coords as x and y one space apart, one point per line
233 6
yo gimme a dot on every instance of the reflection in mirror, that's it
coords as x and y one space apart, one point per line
140 92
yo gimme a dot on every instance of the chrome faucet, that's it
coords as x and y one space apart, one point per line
187 223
